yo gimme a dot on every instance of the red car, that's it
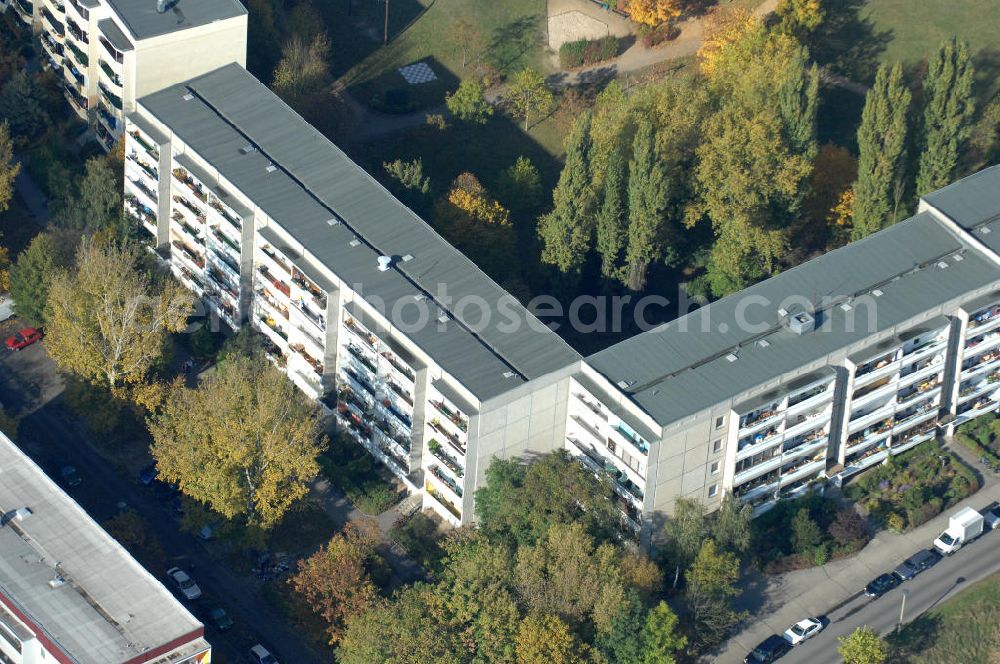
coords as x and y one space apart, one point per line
24 338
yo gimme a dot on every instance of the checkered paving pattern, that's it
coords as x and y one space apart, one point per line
418 73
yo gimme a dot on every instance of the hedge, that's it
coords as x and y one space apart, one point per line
587 52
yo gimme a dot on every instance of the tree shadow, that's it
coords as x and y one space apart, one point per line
848 41
987 75
511 41
917 637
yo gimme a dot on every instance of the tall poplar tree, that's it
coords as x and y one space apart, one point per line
948 109
612 222
648 193
567 232
881 158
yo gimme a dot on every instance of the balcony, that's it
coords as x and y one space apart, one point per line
632 439
190 207
760 438
366 337
359 382
231 248
269 279
115 54
300 280
750 472
270 253
805 448
975 388
78 55
867 416
110 73
146 168
449 461
914 413
802 468
185 179
763 485
272 304
592 406
230 219
913 437
188 229
447 481
228 265
54 24
141 186
406 423
451 438
983 342
392 437
110 97
758 417
78 100
984 319
73 75
76 32
107 117
454 417
315 319
400 392
809 398
360 356
272 325
976 364
868 457
225 287
316 365
83 12
25 9
444 502
396 364
188 253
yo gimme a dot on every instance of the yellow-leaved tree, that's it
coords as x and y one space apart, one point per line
244 442
724 27
653 12
108 321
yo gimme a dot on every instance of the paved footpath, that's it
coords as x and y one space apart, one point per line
787 598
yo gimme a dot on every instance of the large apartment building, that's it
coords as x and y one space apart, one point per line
71 594
812 375
110 52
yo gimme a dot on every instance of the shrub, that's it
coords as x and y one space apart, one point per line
895 522
847 527
587 52
665 32
821 555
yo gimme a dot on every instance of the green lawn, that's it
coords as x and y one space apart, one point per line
918 26
963 630
512 31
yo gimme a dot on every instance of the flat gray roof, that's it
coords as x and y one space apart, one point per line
144 21
739 342
110 29
109 609
972 204
325 201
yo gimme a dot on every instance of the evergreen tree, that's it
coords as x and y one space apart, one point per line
611 217
881 158
567 231
648 193
23 106
948 109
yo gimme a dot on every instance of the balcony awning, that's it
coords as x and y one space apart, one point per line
113 34
147 128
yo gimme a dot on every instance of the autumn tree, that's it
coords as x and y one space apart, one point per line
653 12
612 226
647 206
546 639
528 96
800 18
8 167
468 103
519 186
304 68
723 27
881 153
466 39
949 106
711 587
335 582
519 503
833 174
244 442
661 638
567 231
107 320
32 273
477 224
863 646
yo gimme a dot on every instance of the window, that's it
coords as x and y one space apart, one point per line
717 446
715 467
720 422
713 490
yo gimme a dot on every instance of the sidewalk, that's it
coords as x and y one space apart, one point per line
783 600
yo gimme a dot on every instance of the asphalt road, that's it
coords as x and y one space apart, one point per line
29 385
950 576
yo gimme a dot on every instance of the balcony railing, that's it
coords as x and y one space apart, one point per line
75 30
365 336
112 98
398 366
278 285
273 324
112 76
226 240
189 253
984 317
276 258
24 7
141 186
78 55
400 392
454 416
444 502
447 435
444 479
115 54
221 209
360 356
449 461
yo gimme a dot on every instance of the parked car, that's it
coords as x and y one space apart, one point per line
184 583
802 630
70 476
23 338
220 619
991 517
148 475
768 650
260 655
916 564
882 584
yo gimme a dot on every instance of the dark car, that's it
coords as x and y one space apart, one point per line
769 650
882 584
917 563
23 338
220 619
148 475
70 476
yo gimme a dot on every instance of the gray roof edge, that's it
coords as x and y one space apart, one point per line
147 127
118 39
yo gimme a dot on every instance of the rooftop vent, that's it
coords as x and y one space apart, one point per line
942 264
623 384
801 323
763 343
187 96
248 149
407 258
271 168
332 222
355 242
161 6
959 258
508 374
782 312
384 263
878 292
22 513
419 297
57 581
732 357
985 230
846 306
